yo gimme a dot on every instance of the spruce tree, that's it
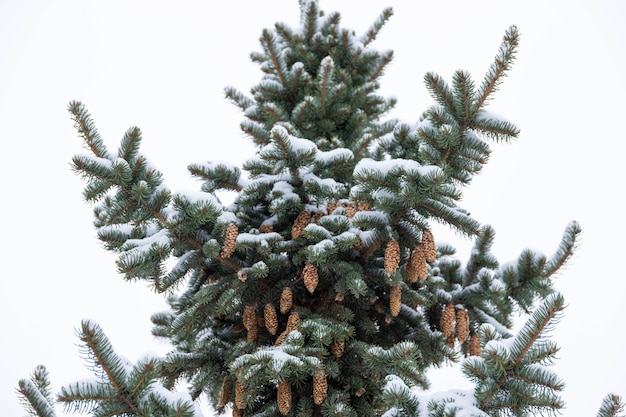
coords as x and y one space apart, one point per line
321 290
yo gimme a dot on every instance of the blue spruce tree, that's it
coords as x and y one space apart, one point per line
321 290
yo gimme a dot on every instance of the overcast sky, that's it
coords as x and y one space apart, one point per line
163 68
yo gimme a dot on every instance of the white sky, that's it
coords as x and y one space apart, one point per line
163 68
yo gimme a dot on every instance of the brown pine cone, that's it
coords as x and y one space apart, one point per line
317 216
428 241
330 207
474 345
378 307
320 387
253 333
414 263
300 223
337 348
462 325
271 321
237 412
310 277
351 210
225 392
395 300
286 300
266 228
447 320
284 397
249 317
293 321
281 338
392 256
230 240
450 341
240 390
422 270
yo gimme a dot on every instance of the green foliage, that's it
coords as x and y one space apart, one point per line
35 395
120 388
511 373
612 404
325 264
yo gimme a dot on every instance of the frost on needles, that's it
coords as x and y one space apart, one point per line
321 290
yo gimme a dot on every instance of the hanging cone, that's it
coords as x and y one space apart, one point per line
378 307
474 345
395 300
320 387
447 321
286 300
271 321
392 256
450 341
225 392
249 317
229 241
462 325
350 210
284 397
293 321
337 348
281 338
422 270
253 333
266 228
364 206
310 277
330 207
300 223
240 390
414 263
237 412
428 241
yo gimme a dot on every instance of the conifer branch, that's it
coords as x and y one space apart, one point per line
611 406
481 256
464 95
382 64
378 24
129 146
238 98
325 73
87 130
440 91
534 329
565 250
104 358
310 14
498 69
269 41
35 394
